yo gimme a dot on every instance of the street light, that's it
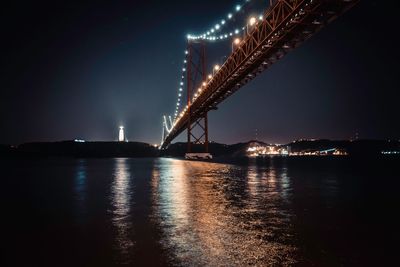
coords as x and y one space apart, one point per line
235 42
251 23
216 68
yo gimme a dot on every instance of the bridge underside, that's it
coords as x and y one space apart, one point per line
286 24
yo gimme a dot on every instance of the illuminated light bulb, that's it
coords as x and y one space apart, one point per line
212 30
217 27
183 69
186 52
230 16
236 41
216 67
222 22
238 7
181 83
236 31
260 17
252 21
204 83
180 89
210 76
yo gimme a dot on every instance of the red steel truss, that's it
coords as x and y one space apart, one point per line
285 25
196 74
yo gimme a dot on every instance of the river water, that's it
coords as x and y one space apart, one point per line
171 212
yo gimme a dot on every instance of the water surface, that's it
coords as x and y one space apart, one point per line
170 212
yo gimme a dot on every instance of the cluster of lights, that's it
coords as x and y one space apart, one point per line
180 115
201 89
214 33
181 85
222 36
252 21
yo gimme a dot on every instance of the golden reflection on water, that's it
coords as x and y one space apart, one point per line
222 215
121 194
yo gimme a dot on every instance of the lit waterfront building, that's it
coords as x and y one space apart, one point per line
255 150
260 150
327 152
121 136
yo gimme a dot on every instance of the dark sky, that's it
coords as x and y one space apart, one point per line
80 69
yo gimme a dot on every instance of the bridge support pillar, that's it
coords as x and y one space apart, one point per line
197 133
197 126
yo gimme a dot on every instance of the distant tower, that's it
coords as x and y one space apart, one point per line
121 136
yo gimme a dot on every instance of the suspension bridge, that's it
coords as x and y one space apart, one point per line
261 42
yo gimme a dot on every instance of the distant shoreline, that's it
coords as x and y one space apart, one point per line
81 149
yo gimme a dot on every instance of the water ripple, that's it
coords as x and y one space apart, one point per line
209 215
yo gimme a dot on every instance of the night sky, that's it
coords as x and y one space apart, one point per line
80 69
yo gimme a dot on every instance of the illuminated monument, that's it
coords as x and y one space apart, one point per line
121 135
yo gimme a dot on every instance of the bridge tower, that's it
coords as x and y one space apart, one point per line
197 129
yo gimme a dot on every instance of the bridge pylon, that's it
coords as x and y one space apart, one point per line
197 129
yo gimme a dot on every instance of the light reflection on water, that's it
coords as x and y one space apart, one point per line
80 188
210 216
121 194
166 212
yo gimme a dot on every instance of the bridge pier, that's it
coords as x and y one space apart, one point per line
196 75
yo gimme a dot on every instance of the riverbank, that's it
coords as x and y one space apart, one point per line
82 149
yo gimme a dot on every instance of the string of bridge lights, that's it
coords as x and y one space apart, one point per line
213 34
181 85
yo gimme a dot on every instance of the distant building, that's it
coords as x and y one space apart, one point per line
121 136
256 149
